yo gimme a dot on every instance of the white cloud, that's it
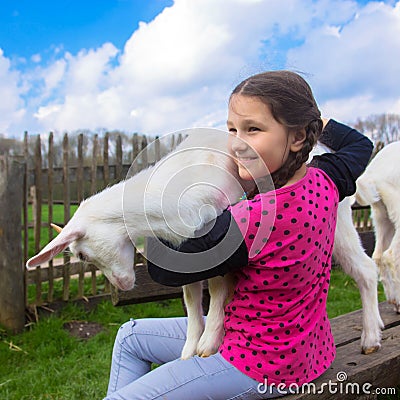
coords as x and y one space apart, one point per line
10 103
54 74
36 58
355 67
47 111
177 71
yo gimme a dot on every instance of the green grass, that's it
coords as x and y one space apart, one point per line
344 295
45 362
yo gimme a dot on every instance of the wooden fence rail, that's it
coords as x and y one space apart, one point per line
50 192
56 189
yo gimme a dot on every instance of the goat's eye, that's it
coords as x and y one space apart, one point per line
82 257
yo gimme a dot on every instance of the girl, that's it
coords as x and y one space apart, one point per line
277 333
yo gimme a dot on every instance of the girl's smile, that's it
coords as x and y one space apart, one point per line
258 141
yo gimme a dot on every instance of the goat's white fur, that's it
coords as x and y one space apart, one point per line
379 187
104 225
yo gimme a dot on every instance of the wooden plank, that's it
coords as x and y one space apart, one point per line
79 170
93 282
145 158
37 212
80 196
106 169
173 142
12 292
134 169
25 212
37 217
58 270
145 290
347 328
380 369
118 161
105 161
157 149
50 207
66 274
87 173
25 198
93 186
180 139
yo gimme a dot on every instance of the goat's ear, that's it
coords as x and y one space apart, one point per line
56 246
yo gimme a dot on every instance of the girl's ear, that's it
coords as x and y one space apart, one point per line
297 139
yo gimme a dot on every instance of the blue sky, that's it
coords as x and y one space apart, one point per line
35 27
157 66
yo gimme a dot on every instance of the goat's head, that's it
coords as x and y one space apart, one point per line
106 245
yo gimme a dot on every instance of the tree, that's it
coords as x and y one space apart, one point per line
10 146
383 128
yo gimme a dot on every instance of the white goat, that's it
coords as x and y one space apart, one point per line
379 187
104 226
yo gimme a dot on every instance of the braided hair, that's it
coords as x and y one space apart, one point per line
292 104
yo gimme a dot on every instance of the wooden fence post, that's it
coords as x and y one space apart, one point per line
12 292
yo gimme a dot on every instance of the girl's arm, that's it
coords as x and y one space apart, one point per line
352 152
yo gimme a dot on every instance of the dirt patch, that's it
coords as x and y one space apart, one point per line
83 329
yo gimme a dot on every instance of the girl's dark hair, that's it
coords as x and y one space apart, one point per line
291 102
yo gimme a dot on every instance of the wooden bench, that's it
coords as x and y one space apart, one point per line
378 371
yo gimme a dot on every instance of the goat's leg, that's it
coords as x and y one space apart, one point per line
192 295
350 254
391 262
220 289
384 232
391 255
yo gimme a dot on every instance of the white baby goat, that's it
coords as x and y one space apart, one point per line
104 226
379 187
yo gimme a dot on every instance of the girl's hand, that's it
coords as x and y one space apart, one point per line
324 122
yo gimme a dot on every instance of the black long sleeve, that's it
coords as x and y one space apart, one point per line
220 250
352 152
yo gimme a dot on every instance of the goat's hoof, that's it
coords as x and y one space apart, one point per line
396 305
370 350
186 356
188 352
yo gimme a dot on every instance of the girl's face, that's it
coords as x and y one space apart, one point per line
259 143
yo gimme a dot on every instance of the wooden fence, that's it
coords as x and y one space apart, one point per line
50 192
77 181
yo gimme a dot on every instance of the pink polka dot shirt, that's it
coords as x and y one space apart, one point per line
277 328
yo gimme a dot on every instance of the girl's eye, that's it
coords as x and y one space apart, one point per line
233 131
253 129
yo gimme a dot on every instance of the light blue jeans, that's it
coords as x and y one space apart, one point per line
139 343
